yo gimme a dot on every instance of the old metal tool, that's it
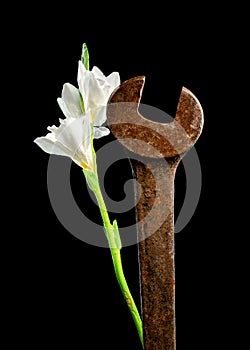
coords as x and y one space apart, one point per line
161 147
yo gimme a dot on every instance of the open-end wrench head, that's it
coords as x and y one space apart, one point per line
166 139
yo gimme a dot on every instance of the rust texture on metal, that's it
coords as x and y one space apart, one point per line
167 139
156 255
166 144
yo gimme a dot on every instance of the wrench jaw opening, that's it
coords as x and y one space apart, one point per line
165 140
161 147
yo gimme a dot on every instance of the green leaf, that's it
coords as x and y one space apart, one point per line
113 236
117 235
85 56
92 180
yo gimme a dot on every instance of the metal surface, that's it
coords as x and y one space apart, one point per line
165 144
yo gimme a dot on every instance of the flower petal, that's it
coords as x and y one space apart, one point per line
100 116
93 94
63 107
71 133
98 73
114 80
71 98
83 155
100 132
49 145
81 72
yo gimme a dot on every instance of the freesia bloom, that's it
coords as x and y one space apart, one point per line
95 90
85 112
72 139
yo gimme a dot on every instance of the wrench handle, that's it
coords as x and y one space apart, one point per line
156 252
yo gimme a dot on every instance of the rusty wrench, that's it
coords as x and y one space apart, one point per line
159 144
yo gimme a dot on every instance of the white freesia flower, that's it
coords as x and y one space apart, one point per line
95 90
85 112
95 87
72 139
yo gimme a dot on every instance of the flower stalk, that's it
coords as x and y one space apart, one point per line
113 237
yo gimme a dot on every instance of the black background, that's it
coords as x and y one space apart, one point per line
67 292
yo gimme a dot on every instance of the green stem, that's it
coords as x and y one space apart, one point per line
116 257
102 207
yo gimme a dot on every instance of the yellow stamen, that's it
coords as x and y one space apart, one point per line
85 166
